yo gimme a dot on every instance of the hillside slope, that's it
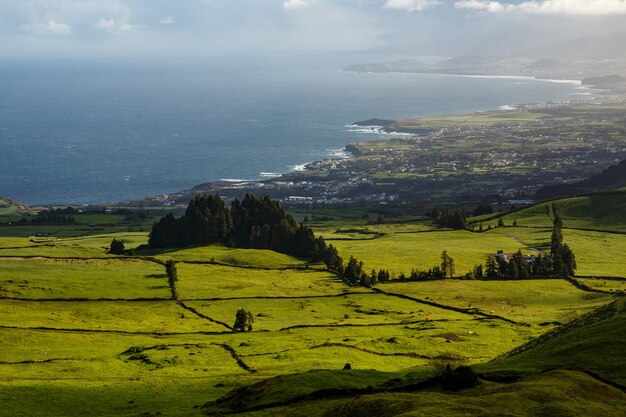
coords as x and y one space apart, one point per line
599 211
612 178
576 369
593 343
9 207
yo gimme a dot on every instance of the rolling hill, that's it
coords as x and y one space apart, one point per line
612 178
576 369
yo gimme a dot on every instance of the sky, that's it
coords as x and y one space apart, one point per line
198 28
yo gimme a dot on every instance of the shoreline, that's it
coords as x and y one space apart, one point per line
350 151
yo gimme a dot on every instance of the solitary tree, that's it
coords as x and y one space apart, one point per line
117 247
243 321
447 264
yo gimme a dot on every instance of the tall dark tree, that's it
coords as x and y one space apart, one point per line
354 270
491 270
563 259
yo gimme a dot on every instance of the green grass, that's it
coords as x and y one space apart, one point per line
275 314
68 357
604 284
95 246
142 317
259 258
531 301
402 252
597 253
605 211
69 278
217 281
594 342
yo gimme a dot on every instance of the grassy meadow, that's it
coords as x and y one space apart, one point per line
83 332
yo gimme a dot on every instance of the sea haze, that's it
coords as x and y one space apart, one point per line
99 132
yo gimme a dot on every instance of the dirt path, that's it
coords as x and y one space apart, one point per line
526 245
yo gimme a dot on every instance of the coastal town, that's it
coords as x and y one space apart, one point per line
501 156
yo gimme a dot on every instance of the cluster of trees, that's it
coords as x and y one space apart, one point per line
444 270
482 209
206 221
56 216
258 223
559 262
450 219
133 216
356 275
517 267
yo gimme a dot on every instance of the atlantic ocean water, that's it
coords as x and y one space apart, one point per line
97 132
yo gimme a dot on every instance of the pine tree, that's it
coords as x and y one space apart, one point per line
491 270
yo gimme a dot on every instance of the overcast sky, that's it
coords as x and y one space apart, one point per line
159 28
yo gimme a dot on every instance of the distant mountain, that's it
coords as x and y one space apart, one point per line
612 178
612 81
610 46
546 64
405 65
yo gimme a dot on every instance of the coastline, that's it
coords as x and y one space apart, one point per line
349 150
349 179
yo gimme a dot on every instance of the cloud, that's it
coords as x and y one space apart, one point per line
52 28
412 5
169 20
113 25
568 7
295 4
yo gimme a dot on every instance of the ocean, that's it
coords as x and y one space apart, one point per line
87 132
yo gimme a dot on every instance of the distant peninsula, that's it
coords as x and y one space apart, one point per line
610 75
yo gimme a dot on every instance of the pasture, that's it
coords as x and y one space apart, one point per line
82 331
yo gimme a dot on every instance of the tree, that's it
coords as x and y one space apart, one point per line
500 222
353 271
243 321
117 247
447 264
477 272
563 259
569 260
491 270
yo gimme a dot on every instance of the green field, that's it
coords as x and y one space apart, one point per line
198 281
40 278
86 333
602 211
402 252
